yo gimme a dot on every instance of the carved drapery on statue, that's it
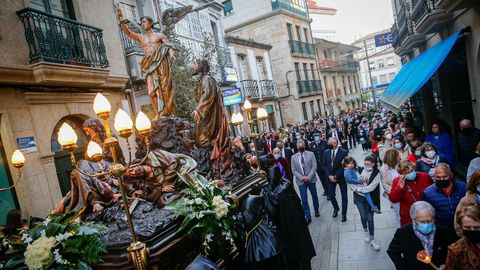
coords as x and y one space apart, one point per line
156 66
212 127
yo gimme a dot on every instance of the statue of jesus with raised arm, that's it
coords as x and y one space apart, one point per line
155 65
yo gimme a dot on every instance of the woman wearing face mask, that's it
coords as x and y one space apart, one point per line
474 164
388 173
407 188
443 143
429 159
415 152
472 196
400 146
422 234
387 143
281 163
465 253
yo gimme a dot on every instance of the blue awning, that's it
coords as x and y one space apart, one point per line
414 74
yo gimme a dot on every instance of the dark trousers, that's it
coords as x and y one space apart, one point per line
303 194
366 216
323 179
351 141
343 192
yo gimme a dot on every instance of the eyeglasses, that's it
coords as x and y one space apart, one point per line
424 221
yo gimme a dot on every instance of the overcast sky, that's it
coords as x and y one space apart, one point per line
357 18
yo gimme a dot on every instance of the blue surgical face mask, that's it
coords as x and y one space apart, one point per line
316 138
425 228
411 176
368 169
477 196
277 156
298 137
398 145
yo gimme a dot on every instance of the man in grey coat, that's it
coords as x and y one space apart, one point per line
304 170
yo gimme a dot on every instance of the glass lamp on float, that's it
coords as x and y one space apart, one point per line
18 161
236 121
262 115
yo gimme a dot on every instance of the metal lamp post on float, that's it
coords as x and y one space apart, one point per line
138 252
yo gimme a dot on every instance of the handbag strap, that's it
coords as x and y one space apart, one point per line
411 192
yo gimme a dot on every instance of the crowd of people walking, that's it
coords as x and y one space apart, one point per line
437 210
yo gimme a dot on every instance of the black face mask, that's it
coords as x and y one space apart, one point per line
442 183
468 130
473 236
301 149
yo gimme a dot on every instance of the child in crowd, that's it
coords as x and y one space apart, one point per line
354 178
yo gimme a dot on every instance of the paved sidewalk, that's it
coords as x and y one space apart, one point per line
340 245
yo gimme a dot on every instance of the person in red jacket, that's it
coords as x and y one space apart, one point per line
407 188
414 150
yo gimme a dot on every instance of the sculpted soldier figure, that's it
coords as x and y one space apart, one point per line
211 124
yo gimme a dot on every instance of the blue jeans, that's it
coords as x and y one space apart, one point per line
303 194
369 200
365 215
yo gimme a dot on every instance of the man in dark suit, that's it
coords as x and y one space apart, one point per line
318 147
268 144
286 152
332 164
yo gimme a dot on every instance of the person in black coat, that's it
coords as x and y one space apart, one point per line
285 151
417 236
318 147
287 213
331 169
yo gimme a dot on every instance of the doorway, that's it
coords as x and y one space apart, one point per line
63 163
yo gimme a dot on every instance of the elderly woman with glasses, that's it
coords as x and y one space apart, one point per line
422 234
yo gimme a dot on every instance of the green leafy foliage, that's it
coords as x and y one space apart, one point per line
207 215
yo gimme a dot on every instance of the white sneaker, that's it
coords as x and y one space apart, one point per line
366 237
374 245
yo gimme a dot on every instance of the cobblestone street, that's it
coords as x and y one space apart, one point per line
340 245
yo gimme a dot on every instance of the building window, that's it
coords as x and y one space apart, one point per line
289 31
227 7
380 63
344 86
312 69
304 109
391 76
350 90
319 107
297 71
374 81
383 78
312 109
299 34
390 61
243 67
62 8
305 34
372 65
305 71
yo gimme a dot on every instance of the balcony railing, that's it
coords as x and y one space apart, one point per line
129 45
250 89
309 86
420 9
301 47
268 88
291 5
55 39
404 26
339 64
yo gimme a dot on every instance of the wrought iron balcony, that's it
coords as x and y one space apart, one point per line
427 17
268 88
338 64
250 89
129 45
309 87
291 5
55 39
302 47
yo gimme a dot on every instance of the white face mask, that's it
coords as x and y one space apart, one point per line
430 153
388 136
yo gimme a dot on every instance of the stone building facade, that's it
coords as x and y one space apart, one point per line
338 71
49 74
285 25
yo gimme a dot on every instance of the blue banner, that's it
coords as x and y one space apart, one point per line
383 39
232 97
